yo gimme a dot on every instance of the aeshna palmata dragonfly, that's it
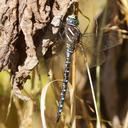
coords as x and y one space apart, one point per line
73 37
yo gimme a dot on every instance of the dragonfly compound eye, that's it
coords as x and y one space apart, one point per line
72 20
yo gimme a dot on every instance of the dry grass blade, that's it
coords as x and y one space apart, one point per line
42 105
93 95
19 109
126 121
9 105
98 71
10 101
92 89
72 92
42 102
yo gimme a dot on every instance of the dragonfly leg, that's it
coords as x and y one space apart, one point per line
85 18
62 35
83 50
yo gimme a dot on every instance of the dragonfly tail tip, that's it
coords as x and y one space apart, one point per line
57 118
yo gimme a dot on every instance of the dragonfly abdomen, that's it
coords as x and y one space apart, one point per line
65 80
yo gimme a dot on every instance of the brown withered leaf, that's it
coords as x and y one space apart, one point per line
23 36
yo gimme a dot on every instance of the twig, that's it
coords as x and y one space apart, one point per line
91 85
98 78
93 95
72 97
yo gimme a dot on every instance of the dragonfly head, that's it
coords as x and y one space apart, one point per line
72 20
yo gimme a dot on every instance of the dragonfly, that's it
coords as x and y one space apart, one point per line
73 37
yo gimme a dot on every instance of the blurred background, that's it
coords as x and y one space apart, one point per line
113 101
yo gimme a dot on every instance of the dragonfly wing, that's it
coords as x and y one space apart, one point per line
107 40
95 46
111 39
90 56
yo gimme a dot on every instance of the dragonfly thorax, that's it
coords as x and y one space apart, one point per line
72 20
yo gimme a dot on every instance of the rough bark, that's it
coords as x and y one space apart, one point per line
26 33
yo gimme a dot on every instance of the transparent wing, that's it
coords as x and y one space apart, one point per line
95 46
107 40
